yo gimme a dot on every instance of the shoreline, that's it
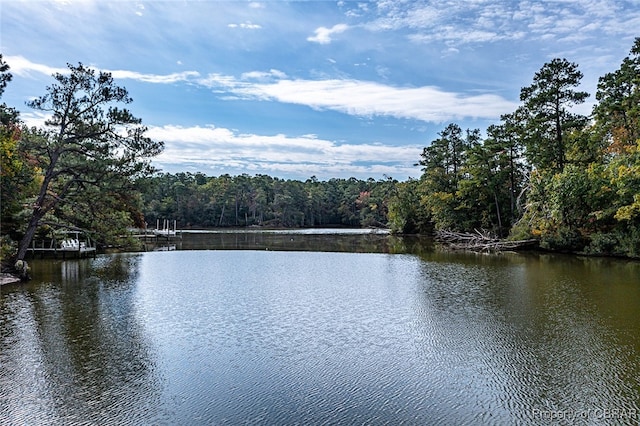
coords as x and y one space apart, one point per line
6 278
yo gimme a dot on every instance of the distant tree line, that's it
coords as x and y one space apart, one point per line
199 201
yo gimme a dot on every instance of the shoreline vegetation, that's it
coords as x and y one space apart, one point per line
544 176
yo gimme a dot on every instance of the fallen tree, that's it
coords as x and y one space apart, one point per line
481 241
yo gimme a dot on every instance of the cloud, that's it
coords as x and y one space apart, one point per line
348 96
488 21
155 78
260 75
34 118
140 9
24 67
246 25
323 35
367 99
221 150
224 150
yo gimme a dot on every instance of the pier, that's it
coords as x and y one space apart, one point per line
66 247
166 231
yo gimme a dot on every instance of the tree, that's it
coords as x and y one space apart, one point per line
481 194
618 110
16 174
8 116
90 151
442 160
546 109
443 173
406 215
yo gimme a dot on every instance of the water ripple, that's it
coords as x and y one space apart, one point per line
255 337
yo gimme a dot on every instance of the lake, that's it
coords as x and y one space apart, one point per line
321 327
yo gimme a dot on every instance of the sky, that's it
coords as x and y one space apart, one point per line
294 89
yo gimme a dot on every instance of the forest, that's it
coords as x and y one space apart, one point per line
198 201
543 171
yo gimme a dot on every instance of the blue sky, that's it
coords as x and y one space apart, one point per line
302 88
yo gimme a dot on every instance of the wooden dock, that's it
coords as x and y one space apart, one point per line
68 247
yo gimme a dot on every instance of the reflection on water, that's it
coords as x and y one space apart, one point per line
342 240
72 349
229 336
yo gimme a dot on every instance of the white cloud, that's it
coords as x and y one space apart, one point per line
24 67
224 149
367 99
353 97
34 118
323 35
260 75
468 22
155 78
246 25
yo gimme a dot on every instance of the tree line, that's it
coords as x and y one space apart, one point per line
199 201
572 181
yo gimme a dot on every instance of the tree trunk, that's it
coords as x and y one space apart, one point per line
559 141
221 215
512 185
29 234
495 197
39 211
236 210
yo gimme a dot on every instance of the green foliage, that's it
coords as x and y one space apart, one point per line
543 172
563 239
621 241
603 243
596 209
17 174
8 249
629 241
546 113
468 183
5 75
617 112
443 160
442 209
200 201
406 214
90 152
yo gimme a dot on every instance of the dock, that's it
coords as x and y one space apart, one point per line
66 248
71 245
160 232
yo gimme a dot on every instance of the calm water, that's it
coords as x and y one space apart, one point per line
365 333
